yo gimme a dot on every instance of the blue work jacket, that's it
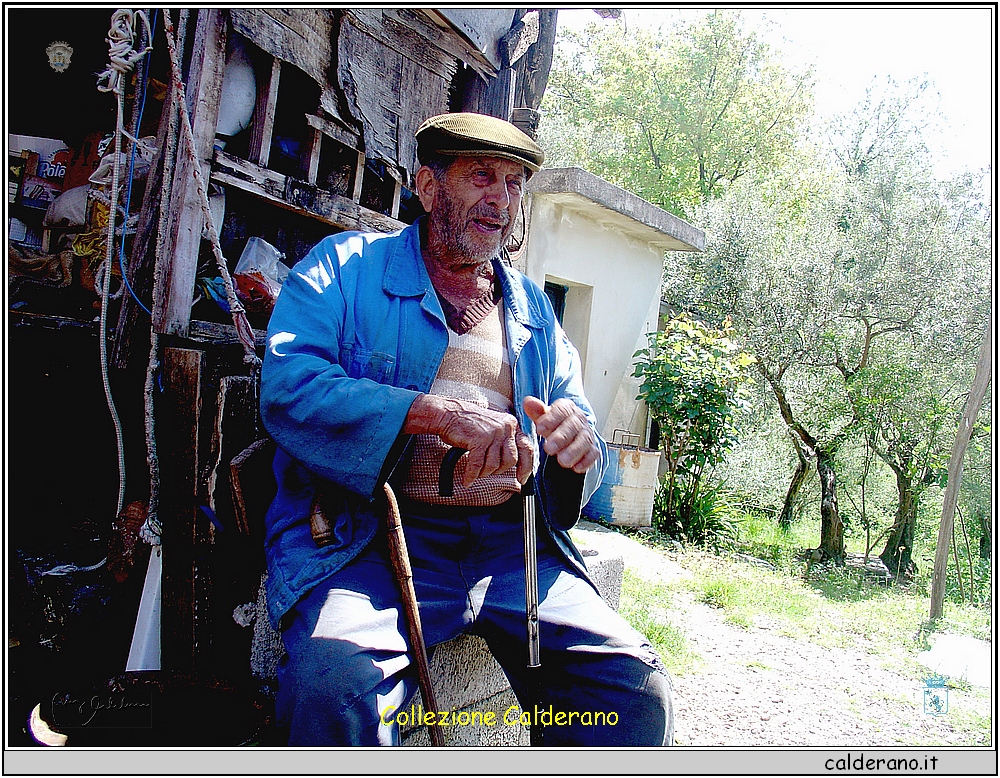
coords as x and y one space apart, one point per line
356 335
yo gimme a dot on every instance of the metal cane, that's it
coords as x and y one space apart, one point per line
531 572
446 489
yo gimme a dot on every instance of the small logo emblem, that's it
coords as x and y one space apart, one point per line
59 53
935 696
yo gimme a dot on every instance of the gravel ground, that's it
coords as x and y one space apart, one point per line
757 687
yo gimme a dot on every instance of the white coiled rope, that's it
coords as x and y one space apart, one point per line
123 59
121 52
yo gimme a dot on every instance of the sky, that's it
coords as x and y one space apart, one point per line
953 46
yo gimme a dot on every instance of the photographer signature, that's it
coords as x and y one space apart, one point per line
88 708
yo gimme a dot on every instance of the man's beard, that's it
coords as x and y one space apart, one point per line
455 236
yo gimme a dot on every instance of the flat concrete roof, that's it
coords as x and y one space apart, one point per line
579 190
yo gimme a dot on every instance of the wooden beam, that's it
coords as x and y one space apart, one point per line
494 96
179 265
518 39
397 193
300 197
533 68
335 129
313 150
338 210
359 177
178 436
303 37
143 254
221 334
263 115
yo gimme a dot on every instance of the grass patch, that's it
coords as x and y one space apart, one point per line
645 606
827 605
760 536
973 723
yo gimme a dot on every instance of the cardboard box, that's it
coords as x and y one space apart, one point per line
16 166
45 170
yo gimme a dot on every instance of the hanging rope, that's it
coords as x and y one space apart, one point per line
243 329
123 59
152 529
121 52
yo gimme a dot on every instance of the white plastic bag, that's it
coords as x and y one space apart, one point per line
259 275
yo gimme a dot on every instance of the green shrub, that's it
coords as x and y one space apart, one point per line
710 522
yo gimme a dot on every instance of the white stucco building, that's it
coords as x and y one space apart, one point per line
599 249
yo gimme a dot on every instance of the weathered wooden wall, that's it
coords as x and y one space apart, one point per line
381 71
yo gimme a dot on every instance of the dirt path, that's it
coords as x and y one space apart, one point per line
756 687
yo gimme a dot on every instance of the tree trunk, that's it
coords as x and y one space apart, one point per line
831 545
980 383
798 478
986 535
898 552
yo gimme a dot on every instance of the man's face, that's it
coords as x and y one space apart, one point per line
473 205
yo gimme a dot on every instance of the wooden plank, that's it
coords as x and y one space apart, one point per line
177 443
422 95
533 68
359 177
221 334
337 130
408 34
300 197
371 75
263 115
494 97
442 33
303 37
143 254
268 178
261 189
397 193
390 93
180 262
338 210
518 39
313 149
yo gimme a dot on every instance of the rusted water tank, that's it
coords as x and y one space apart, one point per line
625 496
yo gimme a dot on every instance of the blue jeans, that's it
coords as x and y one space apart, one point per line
348 659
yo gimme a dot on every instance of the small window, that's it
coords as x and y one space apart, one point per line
557 296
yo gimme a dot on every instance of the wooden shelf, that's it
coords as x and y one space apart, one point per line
298 196
49 321
221 334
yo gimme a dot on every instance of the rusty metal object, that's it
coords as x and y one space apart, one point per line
319 525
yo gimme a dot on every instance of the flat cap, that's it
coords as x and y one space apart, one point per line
475 134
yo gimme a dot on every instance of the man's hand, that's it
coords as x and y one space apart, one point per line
568 436
494 441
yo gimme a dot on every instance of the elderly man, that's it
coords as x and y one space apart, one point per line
384 351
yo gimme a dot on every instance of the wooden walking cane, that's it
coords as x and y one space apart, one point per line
404 577
322 534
